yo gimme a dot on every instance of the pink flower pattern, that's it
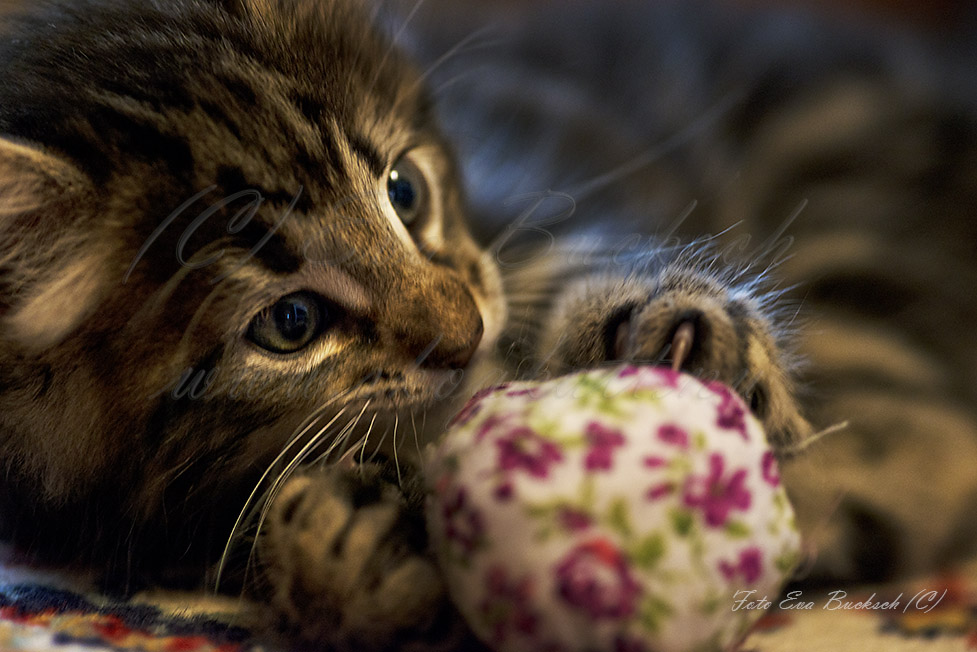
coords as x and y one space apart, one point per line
506 606
673 435
472 407
603 441
504 492
595 578
490 425
654 462
669 376
659 491
717 495
574 520
749 567
731 411
463 524
531 392
657 377
771 474
524 449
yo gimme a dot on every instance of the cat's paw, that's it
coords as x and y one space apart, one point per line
694 321
345 555
694 325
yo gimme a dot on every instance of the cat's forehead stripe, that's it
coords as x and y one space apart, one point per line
362 147
332 150
271 249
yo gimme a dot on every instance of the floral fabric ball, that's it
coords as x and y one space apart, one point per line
609 510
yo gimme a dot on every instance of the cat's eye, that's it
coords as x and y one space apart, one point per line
289 325
407 190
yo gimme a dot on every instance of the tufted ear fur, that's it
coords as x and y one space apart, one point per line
30 178
49 279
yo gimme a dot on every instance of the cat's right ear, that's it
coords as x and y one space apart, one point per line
31 178
50 278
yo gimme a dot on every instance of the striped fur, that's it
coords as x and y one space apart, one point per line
186 164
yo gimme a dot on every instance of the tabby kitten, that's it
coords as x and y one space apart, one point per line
234 263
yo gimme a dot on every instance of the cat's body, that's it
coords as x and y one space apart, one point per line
333 294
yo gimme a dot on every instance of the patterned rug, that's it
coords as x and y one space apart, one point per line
40 618
39 613
43 610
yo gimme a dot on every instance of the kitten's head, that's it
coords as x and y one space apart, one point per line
217 218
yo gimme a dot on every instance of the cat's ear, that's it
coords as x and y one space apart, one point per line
50 279
31 178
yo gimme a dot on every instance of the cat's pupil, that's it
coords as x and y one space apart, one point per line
401 190
293 319
407 190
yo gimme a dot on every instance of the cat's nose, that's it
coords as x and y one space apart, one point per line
435 321
451 355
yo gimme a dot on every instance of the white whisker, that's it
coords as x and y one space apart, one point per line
396 458
448 83
802 446
251 498
294 464
290 467
376 450
417 440
342 437
363 440
455 50
393 41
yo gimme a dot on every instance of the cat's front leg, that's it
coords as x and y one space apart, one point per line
346 563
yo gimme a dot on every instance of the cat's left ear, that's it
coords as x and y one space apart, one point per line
49 278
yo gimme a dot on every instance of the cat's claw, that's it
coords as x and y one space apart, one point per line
682 344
